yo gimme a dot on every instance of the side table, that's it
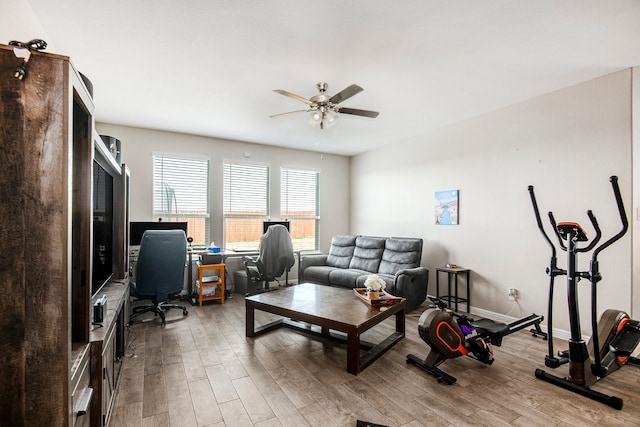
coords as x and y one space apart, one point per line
452 273
211 287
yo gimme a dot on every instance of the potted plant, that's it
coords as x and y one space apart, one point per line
374 284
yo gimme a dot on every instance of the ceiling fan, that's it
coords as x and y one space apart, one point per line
324 109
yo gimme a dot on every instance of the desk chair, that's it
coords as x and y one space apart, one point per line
275 256
160 271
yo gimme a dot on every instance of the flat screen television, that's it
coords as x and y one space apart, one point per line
137 229
103 237
267 224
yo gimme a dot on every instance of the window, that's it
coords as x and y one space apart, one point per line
181 196
246 204
299 204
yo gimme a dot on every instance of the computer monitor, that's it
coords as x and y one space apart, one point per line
137 229
267 224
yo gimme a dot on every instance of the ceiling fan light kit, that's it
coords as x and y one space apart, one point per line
324 109
325 118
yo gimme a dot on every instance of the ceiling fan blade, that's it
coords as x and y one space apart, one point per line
290 113
358 112
345 94
293 95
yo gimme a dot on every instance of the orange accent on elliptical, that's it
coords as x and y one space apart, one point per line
461 348
624 322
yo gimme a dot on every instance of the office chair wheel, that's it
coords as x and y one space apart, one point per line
185 312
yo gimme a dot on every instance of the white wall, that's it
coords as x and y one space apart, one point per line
566 144
18 22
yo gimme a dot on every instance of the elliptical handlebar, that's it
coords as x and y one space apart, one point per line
623 219
596 277
554 227
596 239
539 221
552 271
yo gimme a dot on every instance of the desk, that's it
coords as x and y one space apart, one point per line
453 273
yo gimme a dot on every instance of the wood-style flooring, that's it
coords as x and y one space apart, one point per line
201 370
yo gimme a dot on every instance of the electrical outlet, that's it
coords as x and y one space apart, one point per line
513 294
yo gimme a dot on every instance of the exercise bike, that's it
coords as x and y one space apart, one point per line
614 336
450 335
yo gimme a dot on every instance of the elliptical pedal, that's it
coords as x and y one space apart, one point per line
625 341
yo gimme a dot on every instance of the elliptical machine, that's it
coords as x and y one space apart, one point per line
450 335
590 362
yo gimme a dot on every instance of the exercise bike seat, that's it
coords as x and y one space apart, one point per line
491 329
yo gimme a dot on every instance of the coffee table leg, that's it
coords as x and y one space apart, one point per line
400 327
353 353
249 320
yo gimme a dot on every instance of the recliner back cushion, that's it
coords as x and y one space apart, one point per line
400 254
341 251
367 254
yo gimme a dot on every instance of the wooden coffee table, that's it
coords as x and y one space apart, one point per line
331 309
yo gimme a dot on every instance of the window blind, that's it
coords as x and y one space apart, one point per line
245 204
181 193
299 191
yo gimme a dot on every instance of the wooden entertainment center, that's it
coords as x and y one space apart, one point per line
57 368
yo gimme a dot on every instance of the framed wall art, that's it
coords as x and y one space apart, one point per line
447 207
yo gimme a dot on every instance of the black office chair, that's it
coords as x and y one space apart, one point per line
160 271
275 257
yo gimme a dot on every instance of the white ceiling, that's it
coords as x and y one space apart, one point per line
209 67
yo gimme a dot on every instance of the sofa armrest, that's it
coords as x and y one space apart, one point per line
307 261
412 283
311 260
414 273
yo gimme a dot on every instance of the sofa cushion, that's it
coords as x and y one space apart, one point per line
317 273
346 277
341 251
367 253
400 254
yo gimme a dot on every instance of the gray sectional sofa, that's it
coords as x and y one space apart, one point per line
352 258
